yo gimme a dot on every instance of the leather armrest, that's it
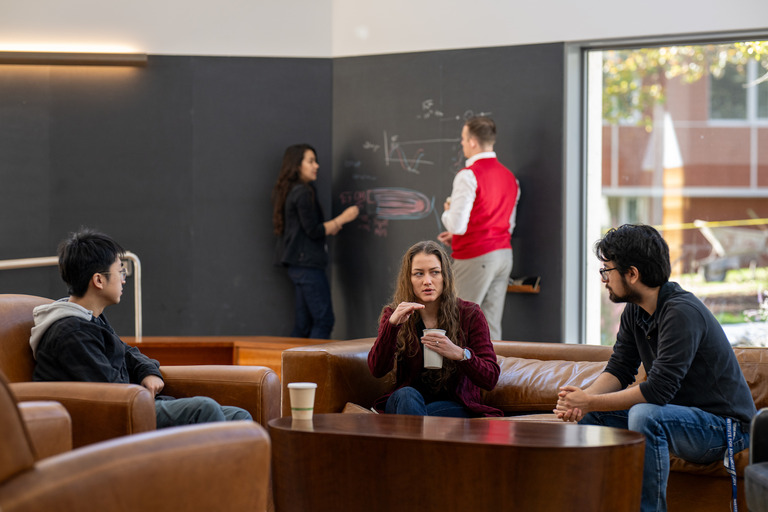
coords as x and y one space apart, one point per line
253 388
341 372
216 466
98 410
758 437
49 427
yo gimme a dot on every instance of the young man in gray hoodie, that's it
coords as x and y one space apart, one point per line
73 341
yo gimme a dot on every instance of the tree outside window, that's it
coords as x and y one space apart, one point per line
683 138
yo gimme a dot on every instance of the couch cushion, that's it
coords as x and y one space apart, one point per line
532 385
741 459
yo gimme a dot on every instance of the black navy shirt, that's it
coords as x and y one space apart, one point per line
75 349
686 355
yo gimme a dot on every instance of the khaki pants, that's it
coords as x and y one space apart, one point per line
483 280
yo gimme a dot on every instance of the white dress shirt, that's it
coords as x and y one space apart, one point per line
456 219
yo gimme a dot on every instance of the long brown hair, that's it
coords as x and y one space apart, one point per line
288 177
447 314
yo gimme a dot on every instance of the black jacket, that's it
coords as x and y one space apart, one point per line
75 349
686 355
303 240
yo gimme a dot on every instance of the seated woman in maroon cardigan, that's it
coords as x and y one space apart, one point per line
425 298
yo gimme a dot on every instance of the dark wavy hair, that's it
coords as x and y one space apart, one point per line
84 253
289 175
447 316
639 246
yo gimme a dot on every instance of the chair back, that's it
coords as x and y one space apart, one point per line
754 365
15 448
16 360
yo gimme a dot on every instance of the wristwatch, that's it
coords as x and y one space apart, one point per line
467 355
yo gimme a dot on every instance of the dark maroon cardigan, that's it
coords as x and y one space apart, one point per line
481 371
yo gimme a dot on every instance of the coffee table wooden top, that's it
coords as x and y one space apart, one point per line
481 431
382 462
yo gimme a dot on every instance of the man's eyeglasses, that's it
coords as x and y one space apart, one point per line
604 273
123 272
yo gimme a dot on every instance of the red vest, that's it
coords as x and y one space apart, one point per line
495 199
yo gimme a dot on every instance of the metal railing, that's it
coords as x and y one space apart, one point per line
133 269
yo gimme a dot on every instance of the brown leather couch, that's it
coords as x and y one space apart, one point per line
216 466
101 411
531 373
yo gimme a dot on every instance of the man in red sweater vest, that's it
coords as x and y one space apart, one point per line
479 218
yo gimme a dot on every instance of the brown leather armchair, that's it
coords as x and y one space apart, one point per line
101 411
216 466
49 427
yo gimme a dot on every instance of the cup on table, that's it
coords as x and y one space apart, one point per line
302 395
432 360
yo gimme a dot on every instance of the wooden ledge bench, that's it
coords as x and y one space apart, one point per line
232 350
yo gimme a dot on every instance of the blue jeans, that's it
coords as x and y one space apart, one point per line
174 412
314 311
690 433
408 400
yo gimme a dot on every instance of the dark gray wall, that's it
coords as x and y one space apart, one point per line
177 162
397 124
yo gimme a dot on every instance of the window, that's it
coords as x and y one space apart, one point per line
731 97
728 96
677 137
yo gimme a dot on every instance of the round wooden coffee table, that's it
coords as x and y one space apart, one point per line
379 462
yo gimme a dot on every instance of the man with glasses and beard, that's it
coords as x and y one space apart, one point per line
695 402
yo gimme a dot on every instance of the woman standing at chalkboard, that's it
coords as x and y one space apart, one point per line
301 248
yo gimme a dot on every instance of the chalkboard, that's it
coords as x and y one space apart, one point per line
176 161
396 134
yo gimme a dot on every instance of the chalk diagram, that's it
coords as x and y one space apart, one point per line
380 205
395 151
411 154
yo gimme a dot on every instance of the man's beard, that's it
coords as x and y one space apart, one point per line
630 295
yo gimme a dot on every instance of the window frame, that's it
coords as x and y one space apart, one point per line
579 263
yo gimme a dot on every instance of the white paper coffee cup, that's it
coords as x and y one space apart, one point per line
432 360
302 396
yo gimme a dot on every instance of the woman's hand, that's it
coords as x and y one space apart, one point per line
333 226
349 214
403 312
441 344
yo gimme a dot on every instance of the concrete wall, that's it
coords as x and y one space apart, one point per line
337 28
